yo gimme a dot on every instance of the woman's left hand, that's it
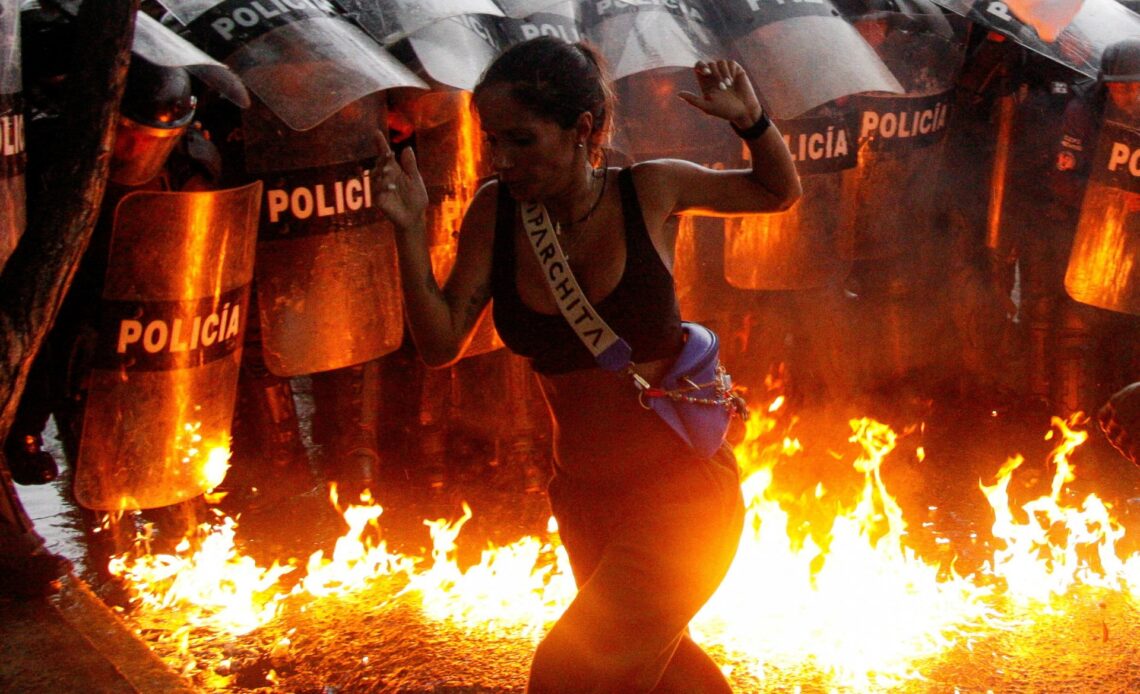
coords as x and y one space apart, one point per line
726 92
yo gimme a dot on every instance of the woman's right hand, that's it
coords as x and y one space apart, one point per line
400 191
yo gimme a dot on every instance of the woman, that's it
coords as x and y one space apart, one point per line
650 527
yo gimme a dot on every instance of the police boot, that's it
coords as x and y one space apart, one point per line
28 462
1074 384
270 462
433 430
345 403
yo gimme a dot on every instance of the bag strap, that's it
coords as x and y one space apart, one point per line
610 351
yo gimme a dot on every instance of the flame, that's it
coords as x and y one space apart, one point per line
213 585
519 589
216 466
820 577
1057 546
856 602
357 559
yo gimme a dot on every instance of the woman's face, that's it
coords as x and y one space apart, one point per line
534 156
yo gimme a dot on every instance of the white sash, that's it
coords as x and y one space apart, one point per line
611 352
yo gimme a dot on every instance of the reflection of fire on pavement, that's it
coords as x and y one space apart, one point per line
825 592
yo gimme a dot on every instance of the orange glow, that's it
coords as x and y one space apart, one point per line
447 216
213 586
686 273
861 606
1104 255
849 594
358 557
1047 545
994 237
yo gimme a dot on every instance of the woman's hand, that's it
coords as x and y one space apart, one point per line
726 92
400 191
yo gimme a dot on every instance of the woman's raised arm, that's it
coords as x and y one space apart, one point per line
441 320
771 185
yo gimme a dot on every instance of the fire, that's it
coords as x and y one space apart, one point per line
519 589
214 585
822 579
857 603
216 466
1056 546
357 558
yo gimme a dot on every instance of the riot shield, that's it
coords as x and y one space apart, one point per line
1076 40
156 426
521 9
1103 263
651 124
455 51
796 249
454 41
161 46
636 37
392 21
13 158
899 138
651 50
528 19
451 161
801 54
327 281
300 58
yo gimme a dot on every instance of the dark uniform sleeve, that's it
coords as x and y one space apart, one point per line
1074 151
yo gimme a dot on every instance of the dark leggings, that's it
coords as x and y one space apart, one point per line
646 554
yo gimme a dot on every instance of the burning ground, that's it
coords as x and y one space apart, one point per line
953 554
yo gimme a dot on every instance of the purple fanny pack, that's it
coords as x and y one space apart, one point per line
696 397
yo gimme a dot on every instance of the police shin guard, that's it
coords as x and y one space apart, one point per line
1073 389
268 454
434 406
345 403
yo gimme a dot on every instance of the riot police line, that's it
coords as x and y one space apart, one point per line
264 206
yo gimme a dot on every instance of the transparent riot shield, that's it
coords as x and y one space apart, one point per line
1076 39
450 157
635 37
300 58
455 51
392 21
327 280
801 54
796 249
528 19
13 158
453 40
1103 264
889 190
521 9
161 46
651 122
156 426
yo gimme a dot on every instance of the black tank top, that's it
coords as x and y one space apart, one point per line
642 308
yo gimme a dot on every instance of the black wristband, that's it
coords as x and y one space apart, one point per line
756 129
